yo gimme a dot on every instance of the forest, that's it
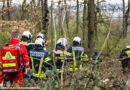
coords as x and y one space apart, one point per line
102 25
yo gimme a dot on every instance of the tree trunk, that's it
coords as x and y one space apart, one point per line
10 3
23 10
60 18
84 24
3 10
52 34
45 17
124 22
8 6
34 5
38 4
127 15
67 19
91 26
96 22
77 18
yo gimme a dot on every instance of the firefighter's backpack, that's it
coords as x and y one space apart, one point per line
10 58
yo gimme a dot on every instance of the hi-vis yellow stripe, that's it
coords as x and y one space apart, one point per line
9 65
128 52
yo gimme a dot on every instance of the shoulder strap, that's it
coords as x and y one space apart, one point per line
7 44
18 52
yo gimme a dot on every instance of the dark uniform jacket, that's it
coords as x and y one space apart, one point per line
37 54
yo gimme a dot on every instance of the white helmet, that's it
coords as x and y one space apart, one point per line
40 35
39 41
127 47
62 41
77 39
27 34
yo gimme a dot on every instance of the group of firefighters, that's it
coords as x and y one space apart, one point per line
20 57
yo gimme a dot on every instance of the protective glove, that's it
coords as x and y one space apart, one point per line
28 77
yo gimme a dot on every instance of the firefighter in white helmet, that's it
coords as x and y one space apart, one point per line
40 35
26 36
76 47
125 59
26 40
39 59
60 52
61 44
77 51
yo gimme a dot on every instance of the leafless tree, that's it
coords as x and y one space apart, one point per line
77 18
8 6
84 30
91 26
124 21
45 16
3 10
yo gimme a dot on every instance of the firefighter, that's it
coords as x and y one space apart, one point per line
26 36
2 79
39 59
13 57
78 52
40 35
77 48
60 52
125 58
26 40
2 76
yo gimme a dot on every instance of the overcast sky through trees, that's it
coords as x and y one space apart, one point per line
73 1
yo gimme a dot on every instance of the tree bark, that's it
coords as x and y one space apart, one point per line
34 5
77 18
3 10
67 19
124 22
23 10
91 26
52 34
127 15
45 17
96 21
8 6
84 23
60 18
39 3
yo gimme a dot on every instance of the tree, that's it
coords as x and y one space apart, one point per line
96 12
127 15
84 23
91 26
3 10
38 3
124 22
34 4
52 25
45 17
67 10
60 8
23 9
77 18
8 6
